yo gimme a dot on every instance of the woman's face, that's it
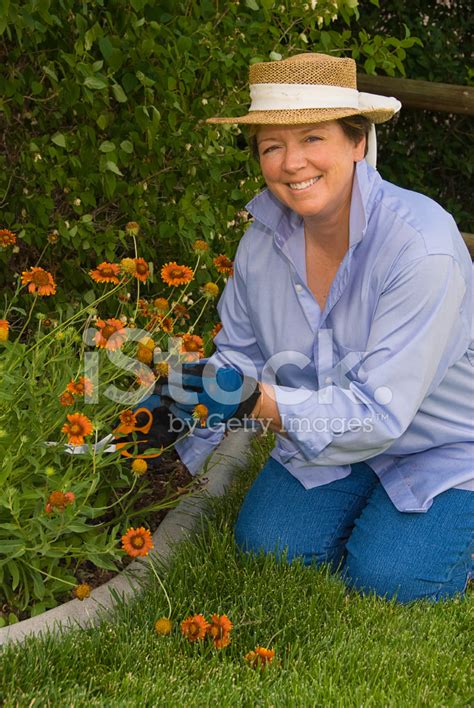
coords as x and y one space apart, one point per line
309 167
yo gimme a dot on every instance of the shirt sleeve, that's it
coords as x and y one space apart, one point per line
236 346
416 334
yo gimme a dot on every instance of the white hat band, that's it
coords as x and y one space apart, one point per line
280 97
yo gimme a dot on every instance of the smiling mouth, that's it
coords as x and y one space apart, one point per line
304 185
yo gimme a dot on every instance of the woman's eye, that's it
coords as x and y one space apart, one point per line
269 149
312 138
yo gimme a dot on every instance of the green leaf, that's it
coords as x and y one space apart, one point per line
112 167
127 146
119 93
59 140
106 48
252 4
106 146
95 82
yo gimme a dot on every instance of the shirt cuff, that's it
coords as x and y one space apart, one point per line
195 448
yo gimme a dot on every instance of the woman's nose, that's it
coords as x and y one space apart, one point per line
294 159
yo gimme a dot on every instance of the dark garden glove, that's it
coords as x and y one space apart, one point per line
153 430
212 395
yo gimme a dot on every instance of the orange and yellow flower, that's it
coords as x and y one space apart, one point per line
66 399
139 467
162 369
192 343
137 542
223 265
128 423
200 412
163 626
78 428
7 238
111 334
161 305
141 270
260 657
106 273
58 501
144 355
219 630
83 387
40 281
145 377
194 627
200 246
210 290
216 329
4 329
174 274
82 591
180 311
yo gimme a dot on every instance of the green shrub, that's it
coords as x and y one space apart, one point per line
103 107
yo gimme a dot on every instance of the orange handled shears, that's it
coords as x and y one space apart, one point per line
140 429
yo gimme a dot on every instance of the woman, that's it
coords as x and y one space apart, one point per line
348 320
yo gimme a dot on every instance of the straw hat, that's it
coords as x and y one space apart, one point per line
309 88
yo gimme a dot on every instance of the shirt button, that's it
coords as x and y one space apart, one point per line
298 287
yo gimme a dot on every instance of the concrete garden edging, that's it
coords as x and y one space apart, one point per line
175 527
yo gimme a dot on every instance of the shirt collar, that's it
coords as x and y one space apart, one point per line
267 209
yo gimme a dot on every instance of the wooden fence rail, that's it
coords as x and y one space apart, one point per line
428 95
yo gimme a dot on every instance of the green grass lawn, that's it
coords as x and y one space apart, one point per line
332 646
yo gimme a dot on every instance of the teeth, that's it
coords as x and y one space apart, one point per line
303 185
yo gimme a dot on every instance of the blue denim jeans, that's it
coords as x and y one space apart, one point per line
352 524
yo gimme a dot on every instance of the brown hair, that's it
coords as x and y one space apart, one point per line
355 128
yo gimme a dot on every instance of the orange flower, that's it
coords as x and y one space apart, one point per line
81 592
106 273
78 427
200 412
53 237
174 274
7 238
139 467
192 343
223 265
145 377
260 657
180 311
163 626
143 307
144 355
164 323
162 369
83 387
128 422
161 304
219 630
4 327
200 246
142 269
58 500
194 627
39 280
66 399
216 329
111 334
210 290
137 542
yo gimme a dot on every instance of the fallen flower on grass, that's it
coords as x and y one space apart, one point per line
82 591
260 657
163 626
137 542
219 630
194 627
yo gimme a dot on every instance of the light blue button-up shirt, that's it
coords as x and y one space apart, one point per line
385 372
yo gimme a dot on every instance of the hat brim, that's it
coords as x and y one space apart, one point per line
304 116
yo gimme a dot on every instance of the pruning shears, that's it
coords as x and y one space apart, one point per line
145 428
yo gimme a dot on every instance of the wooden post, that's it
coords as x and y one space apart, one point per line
428 95
469 241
